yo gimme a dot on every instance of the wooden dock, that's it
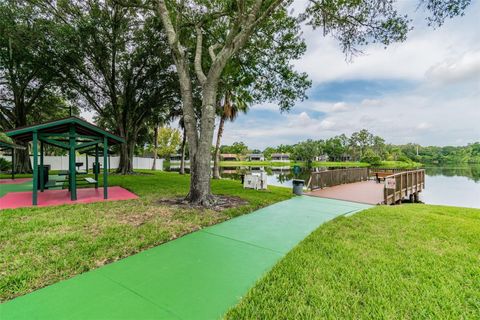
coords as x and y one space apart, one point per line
369 192
368 186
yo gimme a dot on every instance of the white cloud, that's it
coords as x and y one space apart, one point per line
327 124
340 107
370 102
266 106
464 67
424 47
424 126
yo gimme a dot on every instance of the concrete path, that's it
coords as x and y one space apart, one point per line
198 276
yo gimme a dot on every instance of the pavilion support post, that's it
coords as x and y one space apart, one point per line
71 166
35 168
105 168
97 167
86 162
42 172
13 164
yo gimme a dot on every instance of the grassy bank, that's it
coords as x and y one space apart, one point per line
384 164
41 246
402 262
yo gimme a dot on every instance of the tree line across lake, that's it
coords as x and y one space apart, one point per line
366 147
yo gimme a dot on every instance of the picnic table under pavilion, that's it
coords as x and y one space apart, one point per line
74 135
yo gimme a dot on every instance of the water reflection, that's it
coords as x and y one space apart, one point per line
471 172
455 186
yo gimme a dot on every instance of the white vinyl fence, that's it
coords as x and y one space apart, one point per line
61 162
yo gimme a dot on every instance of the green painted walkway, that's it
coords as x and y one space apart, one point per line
198 276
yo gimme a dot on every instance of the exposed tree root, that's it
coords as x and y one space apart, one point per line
216 203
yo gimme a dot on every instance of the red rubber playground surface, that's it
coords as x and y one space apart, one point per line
13 200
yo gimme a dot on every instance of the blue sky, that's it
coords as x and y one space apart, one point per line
425 90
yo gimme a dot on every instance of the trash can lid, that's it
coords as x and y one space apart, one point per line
298 181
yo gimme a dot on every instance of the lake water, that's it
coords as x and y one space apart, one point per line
453 186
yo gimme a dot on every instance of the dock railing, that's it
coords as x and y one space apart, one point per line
374 170
406 184
330 178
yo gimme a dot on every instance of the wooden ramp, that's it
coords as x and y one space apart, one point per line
369 192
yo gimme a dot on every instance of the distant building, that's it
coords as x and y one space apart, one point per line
281 157
228 157
255 157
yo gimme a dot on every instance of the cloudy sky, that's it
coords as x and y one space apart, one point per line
425 90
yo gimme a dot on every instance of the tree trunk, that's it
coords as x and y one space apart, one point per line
200 191
126 157
22 157
200 170
155 147
182 161
216 163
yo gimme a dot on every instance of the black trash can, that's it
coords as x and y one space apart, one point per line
46 169
298 186
96 167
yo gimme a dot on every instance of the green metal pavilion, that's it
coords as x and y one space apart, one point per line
7 146
72 134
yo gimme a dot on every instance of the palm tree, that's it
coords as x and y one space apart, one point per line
233 104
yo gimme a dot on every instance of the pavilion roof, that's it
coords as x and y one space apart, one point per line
8 145
62 126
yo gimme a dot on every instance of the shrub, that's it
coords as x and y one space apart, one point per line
5 165
371 158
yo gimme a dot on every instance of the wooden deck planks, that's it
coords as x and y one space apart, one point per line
369 192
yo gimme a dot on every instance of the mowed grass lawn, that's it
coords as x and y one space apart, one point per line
402 262
41 246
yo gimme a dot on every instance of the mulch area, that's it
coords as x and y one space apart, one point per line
221 203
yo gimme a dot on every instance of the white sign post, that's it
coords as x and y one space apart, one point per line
390 183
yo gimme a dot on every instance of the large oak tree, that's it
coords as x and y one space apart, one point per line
31 55
122 68
205 35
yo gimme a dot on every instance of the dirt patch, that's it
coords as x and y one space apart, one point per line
221 203
139 217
